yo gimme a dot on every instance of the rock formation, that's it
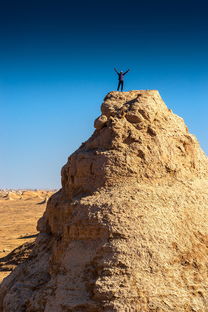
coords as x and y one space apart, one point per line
128 230
25 194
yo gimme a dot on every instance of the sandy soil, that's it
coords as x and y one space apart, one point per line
18 224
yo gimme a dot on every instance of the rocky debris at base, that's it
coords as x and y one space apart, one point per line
17 256
128 230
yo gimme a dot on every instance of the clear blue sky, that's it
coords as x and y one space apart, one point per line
56 66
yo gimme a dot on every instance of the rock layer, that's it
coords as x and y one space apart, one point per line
128 229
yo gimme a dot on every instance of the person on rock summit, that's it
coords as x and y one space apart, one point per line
121 78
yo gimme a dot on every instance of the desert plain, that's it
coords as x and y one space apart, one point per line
19 212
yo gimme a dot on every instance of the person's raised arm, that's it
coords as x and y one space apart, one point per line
126 71
116 70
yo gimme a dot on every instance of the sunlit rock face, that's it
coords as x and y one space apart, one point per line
128 230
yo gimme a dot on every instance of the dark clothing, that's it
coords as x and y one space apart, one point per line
120 84
120 79
121 76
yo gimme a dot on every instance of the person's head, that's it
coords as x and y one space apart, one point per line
121 72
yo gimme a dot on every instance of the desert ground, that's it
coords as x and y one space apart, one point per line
19 212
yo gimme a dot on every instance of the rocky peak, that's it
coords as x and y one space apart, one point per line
137 139
128 230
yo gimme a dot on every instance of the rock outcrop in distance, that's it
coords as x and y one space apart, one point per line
25 194
128 230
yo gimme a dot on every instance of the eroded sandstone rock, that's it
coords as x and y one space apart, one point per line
100 122
128 230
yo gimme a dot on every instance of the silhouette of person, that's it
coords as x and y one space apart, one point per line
121 78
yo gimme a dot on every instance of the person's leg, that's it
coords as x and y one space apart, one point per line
122 84
119 83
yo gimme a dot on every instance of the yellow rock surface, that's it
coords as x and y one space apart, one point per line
128 231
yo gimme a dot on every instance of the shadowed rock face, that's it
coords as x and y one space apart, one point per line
128 230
